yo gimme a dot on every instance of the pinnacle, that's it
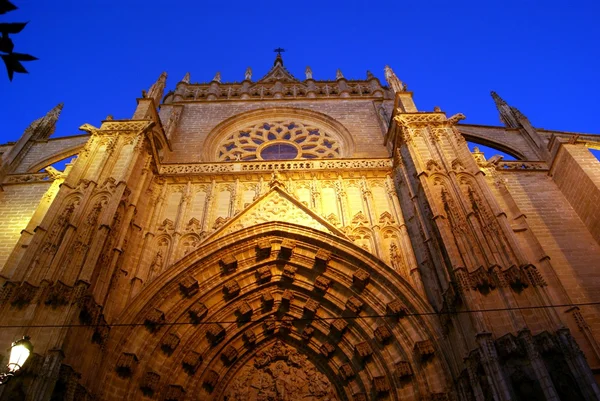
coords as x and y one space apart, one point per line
497 98
278 60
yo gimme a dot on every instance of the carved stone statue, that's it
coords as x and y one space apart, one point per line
339 75
393 81
248 74
308 73
217 77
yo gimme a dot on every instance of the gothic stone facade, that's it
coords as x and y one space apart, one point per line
286 239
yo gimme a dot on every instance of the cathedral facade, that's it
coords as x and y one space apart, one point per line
297 239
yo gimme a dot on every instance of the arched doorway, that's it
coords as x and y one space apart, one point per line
247 312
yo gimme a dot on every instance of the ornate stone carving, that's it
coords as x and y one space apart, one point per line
126 364
229 354
424 349
396 309
189 286
270 324
545 342
280 373
311 306
287 297
286 324
149 383
267 300
322 283
363 350
211 378
59 294
346 371
289 272
215 333
402 370
228 263
338 326
175 393
327 350
197 311
263 248
354 305
322 258
360 279
338 164
23 294
231 289
191 361
244 311
307 333
381 385
249 337
263 274
154 319
508 345
382 334
169 343
286 249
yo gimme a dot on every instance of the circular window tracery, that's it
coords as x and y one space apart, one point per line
281 140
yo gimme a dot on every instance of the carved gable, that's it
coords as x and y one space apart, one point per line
278 73
276 205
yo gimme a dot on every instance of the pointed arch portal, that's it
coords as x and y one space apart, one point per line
253 309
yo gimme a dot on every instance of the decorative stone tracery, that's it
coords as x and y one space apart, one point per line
278 140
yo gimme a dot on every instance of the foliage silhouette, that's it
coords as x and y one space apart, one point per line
11 59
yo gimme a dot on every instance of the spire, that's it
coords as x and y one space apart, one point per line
44 127
157 89
395 84
509 116
186 78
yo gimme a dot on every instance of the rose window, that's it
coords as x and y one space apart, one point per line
281 140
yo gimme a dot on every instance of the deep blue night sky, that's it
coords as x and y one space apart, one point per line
96 56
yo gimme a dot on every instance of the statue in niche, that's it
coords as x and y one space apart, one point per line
156 265
395 258
248 74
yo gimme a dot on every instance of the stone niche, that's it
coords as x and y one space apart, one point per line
279 372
